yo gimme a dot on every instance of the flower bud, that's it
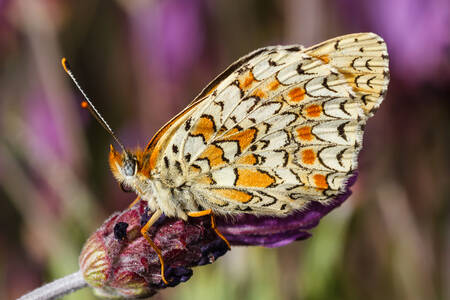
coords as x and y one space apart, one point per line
117 261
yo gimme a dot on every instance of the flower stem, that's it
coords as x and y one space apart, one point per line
57 288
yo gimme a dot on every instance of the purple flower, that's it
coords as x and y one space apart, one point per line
117 261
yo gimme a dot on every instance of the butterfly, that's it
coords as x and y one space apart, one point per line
279 128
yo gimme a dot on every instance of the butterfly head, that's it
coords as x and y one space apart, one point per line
124 166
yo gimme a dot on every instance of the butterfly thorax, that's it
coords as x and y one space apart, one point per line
168 194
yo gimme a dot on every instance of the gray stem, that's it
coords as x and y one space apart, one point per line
57 288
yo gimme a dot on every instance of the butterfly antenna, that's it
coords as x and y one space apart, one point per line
88 104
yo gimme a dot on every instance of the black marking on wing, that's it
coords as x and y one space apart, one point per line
325 84
356 80
220 103
342 108
273 63
300 70
293 49
187 125
364 100
175 149
339 156
293 187
166 162
368 81
178 167
273 184
236 176
367 64
285 157
268 126
266 144
306 89
321 160
233 67
296 196
247 208
336 45
206 159
353 63
341 130
274 200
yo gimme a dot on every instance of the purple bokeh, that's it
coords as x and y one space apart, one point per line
417 32
45 132
172 34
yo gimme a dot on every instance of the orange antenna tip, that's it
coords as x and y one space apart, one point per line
88 104
65 65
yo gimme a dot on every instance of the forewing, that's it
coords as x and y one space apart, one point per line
281 127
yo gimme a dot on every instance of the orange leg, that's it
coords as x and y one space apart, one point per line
213 222
144 232
134 202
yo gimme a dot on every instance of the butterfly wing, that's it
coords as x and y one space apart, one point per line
279 128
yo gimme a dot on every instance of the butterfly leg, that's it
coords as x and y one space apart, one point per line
144 232
134 202
213 222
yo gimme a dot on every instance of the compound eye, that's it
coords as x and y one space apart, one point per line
129 167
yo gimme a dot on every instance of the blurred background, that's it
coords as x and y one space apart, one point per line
142 61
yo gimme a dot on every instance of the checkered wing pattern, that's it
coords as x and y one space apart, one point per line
279 128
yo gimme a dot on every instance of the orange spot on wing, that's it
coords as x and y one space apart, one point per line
157 142
231 132
313 110
259 93
304 133
296 94
221 130
308 156
320 181
324 58
246 81
205 179
205 127
351 79
214 155
249 159
195 169
244 138
233 194
84 104
274 84
253 178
